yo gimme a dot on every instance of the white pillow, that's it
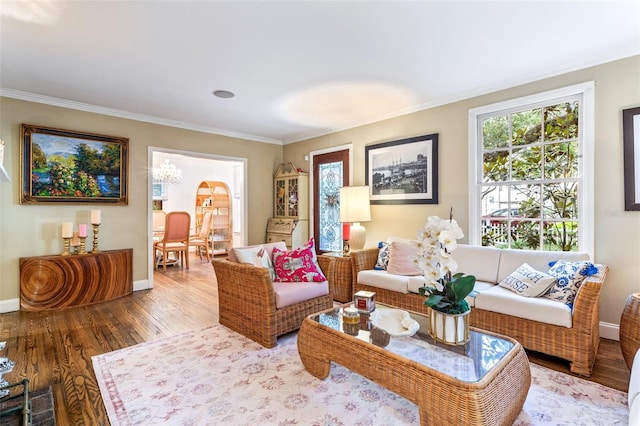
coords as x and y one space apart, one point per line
256 256
528 282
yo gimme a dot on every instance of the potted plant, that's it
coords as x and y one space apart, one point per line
445 290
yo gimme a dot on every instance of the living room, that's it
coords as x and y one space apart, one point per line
34 230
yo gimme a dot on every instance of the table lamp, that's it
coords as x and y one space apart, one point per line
354 208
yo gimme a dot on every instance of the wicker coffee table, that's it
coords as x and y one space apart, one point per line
483 382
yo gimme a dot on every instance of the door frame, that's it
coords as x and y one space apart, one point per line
243 194
348 147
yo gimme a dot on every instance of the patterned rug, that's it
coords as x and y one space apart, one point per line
215 376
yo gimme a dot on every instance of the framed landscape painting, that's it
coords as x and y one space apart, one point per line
65 166
403 171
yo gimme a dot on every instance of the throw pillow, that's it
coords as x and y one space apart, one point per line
401 259
569 278
256 256
528 282
383 257
298 265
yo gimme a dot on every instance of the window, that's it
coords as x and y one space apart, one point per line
532 172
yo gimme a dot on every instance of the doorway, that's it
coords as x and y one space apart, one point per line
331 171
180 194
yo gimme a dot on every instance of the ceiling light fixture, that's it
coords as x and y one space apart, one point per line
223 94
167 173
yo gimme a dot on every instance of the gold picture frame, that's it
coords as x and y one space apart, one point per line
66 166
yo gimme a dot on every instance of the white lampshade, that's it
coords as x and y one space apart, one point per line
355 208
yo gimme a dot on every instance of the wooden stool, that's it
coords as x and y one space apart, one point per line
630 328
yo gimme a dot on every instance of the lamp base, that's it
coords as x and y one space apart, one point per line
358 236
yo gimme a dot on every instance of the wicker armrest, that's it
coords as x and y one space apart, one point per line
244 287
327 266
586 303
362 260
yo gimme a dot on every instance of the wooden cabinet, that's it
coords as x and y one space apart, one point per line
215 197
290 231
290 208
291 188
55 282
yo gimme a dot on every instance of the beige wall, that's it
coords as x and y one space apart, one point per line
617 232
34 230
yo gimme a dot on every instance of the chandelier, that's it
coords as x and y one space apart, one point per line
167 173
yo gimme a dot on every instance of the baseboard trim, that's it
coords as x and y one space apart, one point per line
141 285
609 331
9 305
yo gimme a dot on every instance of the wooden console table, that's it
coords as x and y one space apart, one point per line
56 282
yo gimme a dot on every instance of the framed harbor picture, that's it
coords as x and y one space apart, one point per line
65 166
631 142
403 171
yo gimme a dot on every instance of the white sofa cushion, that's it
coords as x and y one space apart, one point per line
478 288
294 292
501 300
481 262
414 283
383 279
634 391
511 259
233 257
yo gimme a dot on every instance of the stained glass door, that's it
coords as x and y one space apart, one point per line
331 172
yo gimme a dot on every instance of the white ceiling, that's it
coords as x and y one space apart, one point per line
298 68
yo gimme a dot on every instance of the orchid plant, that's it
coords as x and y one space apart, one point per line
445 290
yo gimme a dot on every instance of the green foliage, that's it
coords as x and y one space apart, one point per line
38 159
450 299
543 147
75 175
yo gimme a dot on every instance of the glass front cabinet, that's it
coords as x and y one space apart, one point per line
291 206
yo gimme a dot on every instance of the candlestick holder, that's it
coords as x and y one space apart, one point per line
82 249
67 246
96 229
345 247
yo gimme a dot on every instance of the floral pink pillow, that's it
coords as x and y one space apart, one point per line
298 265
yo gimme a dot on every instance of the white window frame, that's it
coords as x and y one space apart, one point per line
586 159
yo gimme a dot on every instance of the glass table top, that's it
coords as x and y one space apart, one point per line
468 363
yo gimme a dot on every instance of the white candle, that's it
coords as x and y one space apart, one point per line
82 230
95 217
67 230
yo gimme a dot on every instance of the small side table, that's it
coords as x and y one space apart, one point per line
630 328
341 283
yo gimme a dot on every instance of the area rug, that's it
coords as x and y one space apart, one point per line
215 376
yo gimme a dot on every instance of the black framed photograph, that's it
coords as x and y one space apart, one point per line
403 171
631 141
66 166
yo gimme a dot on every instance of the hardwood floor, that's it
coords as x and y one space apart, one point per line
56 347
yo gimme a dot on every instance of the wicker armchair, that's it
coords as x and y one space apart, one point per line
247 302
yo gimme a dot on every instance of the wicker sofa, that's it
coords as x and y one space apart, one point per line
251 304
575 337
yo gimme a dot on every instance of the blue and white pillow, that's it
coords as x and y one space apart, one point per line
383 257
569 278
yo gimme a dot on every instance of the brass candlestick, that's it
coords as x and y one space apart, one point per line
67 246
345 247
96 228
82 249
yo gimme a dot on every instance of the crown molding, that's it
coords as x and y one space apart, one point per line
65 103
